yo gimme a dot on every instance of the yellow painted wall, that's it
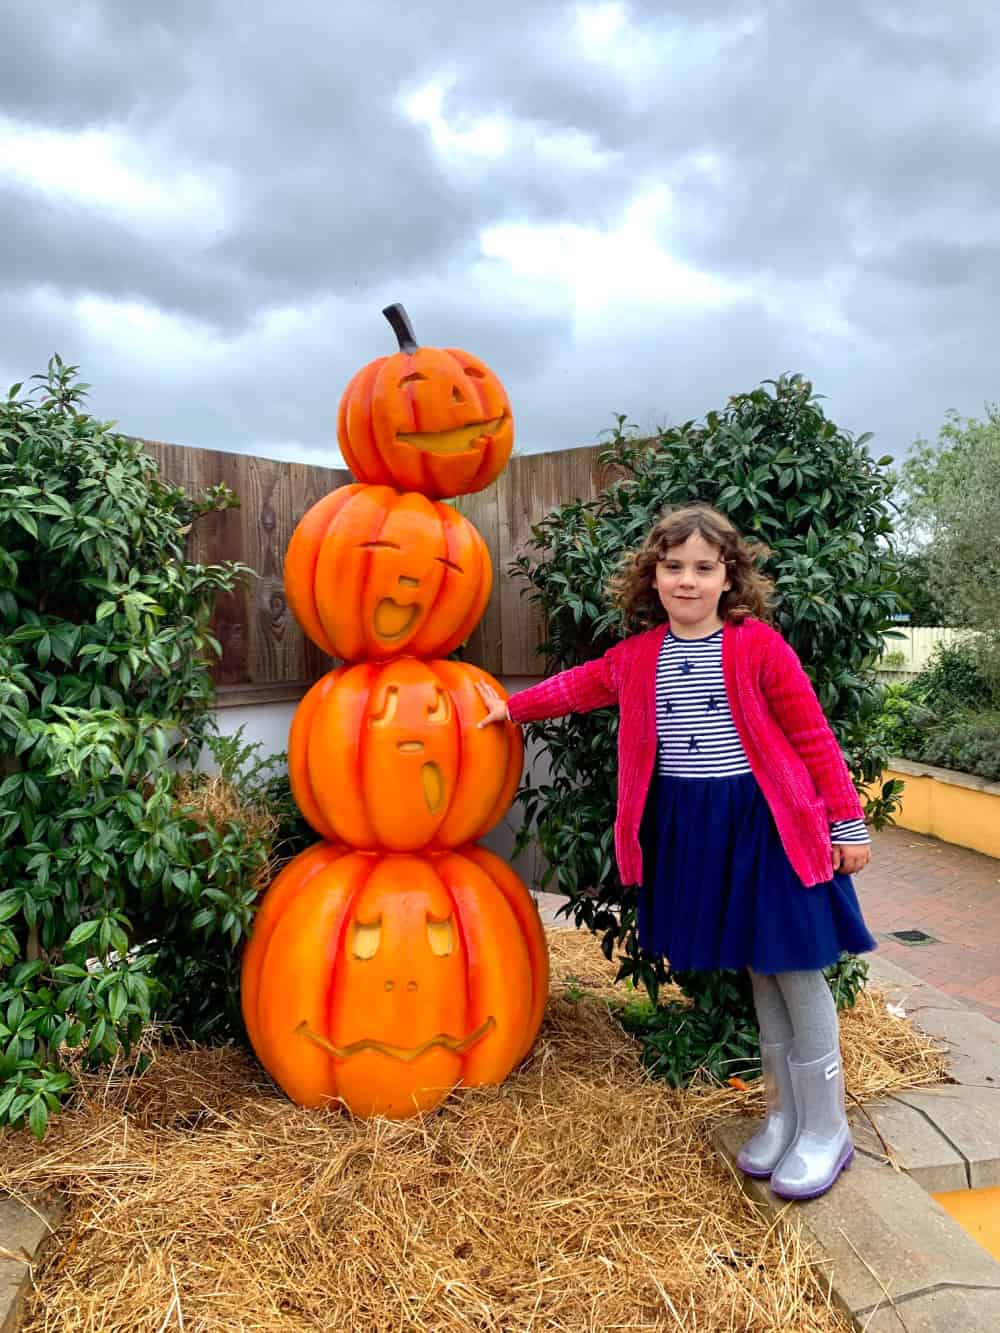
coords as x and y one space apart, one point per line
966 816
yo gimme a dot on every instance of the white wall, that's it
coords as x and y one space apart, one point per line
269 724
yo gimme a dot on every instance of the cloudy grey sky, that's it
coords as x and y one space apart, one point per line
622 207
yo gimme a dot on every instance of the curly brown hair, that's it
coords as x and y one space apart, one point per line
633 587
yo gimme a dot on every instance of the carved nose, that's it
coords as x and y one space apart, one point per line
410 747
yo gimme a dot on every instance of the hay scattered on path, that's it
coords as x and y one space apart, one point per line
577 1196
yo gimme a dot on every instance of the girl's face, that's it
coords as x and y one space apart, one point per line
690 579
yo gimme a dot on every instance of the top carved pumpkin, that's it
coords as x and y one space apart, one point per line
428 419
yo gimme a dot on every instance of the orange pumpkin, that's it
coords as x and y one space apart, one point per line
428 419
371 573
384 980
388 756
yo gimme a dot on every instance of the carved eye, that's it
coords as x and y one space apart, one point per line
474 372
372 546
441 936
389 706
365 937
440 711
409 379
450 563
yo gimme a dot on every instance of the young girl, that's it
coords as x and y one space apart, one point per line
736 816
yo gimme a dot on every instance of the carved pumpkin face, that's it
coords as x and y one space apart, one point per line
390 757
428 419
371 573
384 980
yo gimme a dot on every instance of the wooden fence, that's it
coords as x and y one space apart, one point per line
265 656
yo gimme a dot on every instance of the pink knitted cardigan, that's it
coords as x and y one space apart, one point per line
791 750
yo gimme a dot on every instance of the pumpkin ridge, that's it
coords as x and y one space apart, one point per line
317 859
348 914
464 942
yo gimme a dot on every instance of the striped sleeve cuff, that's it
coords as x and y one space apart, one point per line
849 831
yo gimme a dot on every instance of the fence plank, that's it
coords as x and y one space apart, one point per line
265 654
484 643
916 644
532 486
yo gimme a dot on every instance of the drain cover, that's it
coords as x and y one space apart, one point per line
912 937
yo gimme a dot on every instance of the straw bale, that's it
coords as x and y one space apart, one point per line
579 1195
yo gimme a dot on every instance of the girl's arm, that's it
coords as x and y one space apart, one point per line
578 690
793 702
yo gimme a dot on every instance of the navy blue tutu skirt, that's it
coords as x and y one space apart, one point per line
720 892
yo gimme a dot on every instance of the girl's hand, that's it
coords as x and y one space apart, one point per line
497 709
849 858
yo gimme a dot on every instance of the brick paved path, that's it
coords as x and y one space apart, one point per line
918 883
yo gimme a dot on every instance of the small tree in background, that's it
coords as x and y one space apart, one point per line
117 894
951 504
788 476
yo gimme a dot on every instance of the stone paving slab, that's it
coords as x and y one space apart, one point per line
24 1233
968 1117
953 1310
974 1041
916 1144
876 1235
904 988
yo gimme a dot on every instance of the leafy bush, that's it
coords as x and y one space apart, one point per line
903 720
712 1034
104 693
231 836
968 744
954 679
785 475
945 716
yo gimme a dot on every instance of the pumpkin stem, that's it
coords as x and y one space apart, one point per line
401 327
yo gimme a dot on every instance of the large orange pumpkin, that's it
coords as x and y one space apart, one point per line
388 756
384 980
428 419
371 573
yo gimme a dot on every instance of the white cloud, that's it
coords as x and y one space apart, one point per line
464 136
608 270
104 169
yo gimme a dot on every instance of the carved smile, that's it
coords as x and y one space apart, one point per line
457 1045
459 440
392 619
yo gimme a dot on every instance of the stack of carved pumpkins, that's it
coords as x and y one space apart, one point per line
395 959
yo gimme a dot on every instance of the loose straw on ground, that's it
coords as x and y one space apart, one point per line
577 1196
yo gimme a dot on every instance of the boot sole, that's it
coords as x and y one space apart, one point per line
755 1175
842 1165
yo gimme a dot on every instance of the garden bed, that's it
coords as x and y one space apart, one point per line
956 807
578 1195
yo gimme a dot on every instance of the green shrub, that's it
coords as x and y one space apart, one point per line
233 828
105 692
953 679
712 1034
968 743
785 475
902 721
945 716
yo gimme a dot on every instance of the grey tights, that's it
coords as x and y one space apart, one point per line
797 1006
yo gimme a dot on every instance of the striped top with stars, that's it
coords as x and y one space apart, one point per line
696 736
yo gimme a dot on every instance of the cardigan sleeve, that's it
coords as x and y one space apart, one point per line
793 702
578 690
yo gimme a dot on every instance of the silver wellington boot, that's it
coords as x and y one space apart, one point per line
760 1155
823 1146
